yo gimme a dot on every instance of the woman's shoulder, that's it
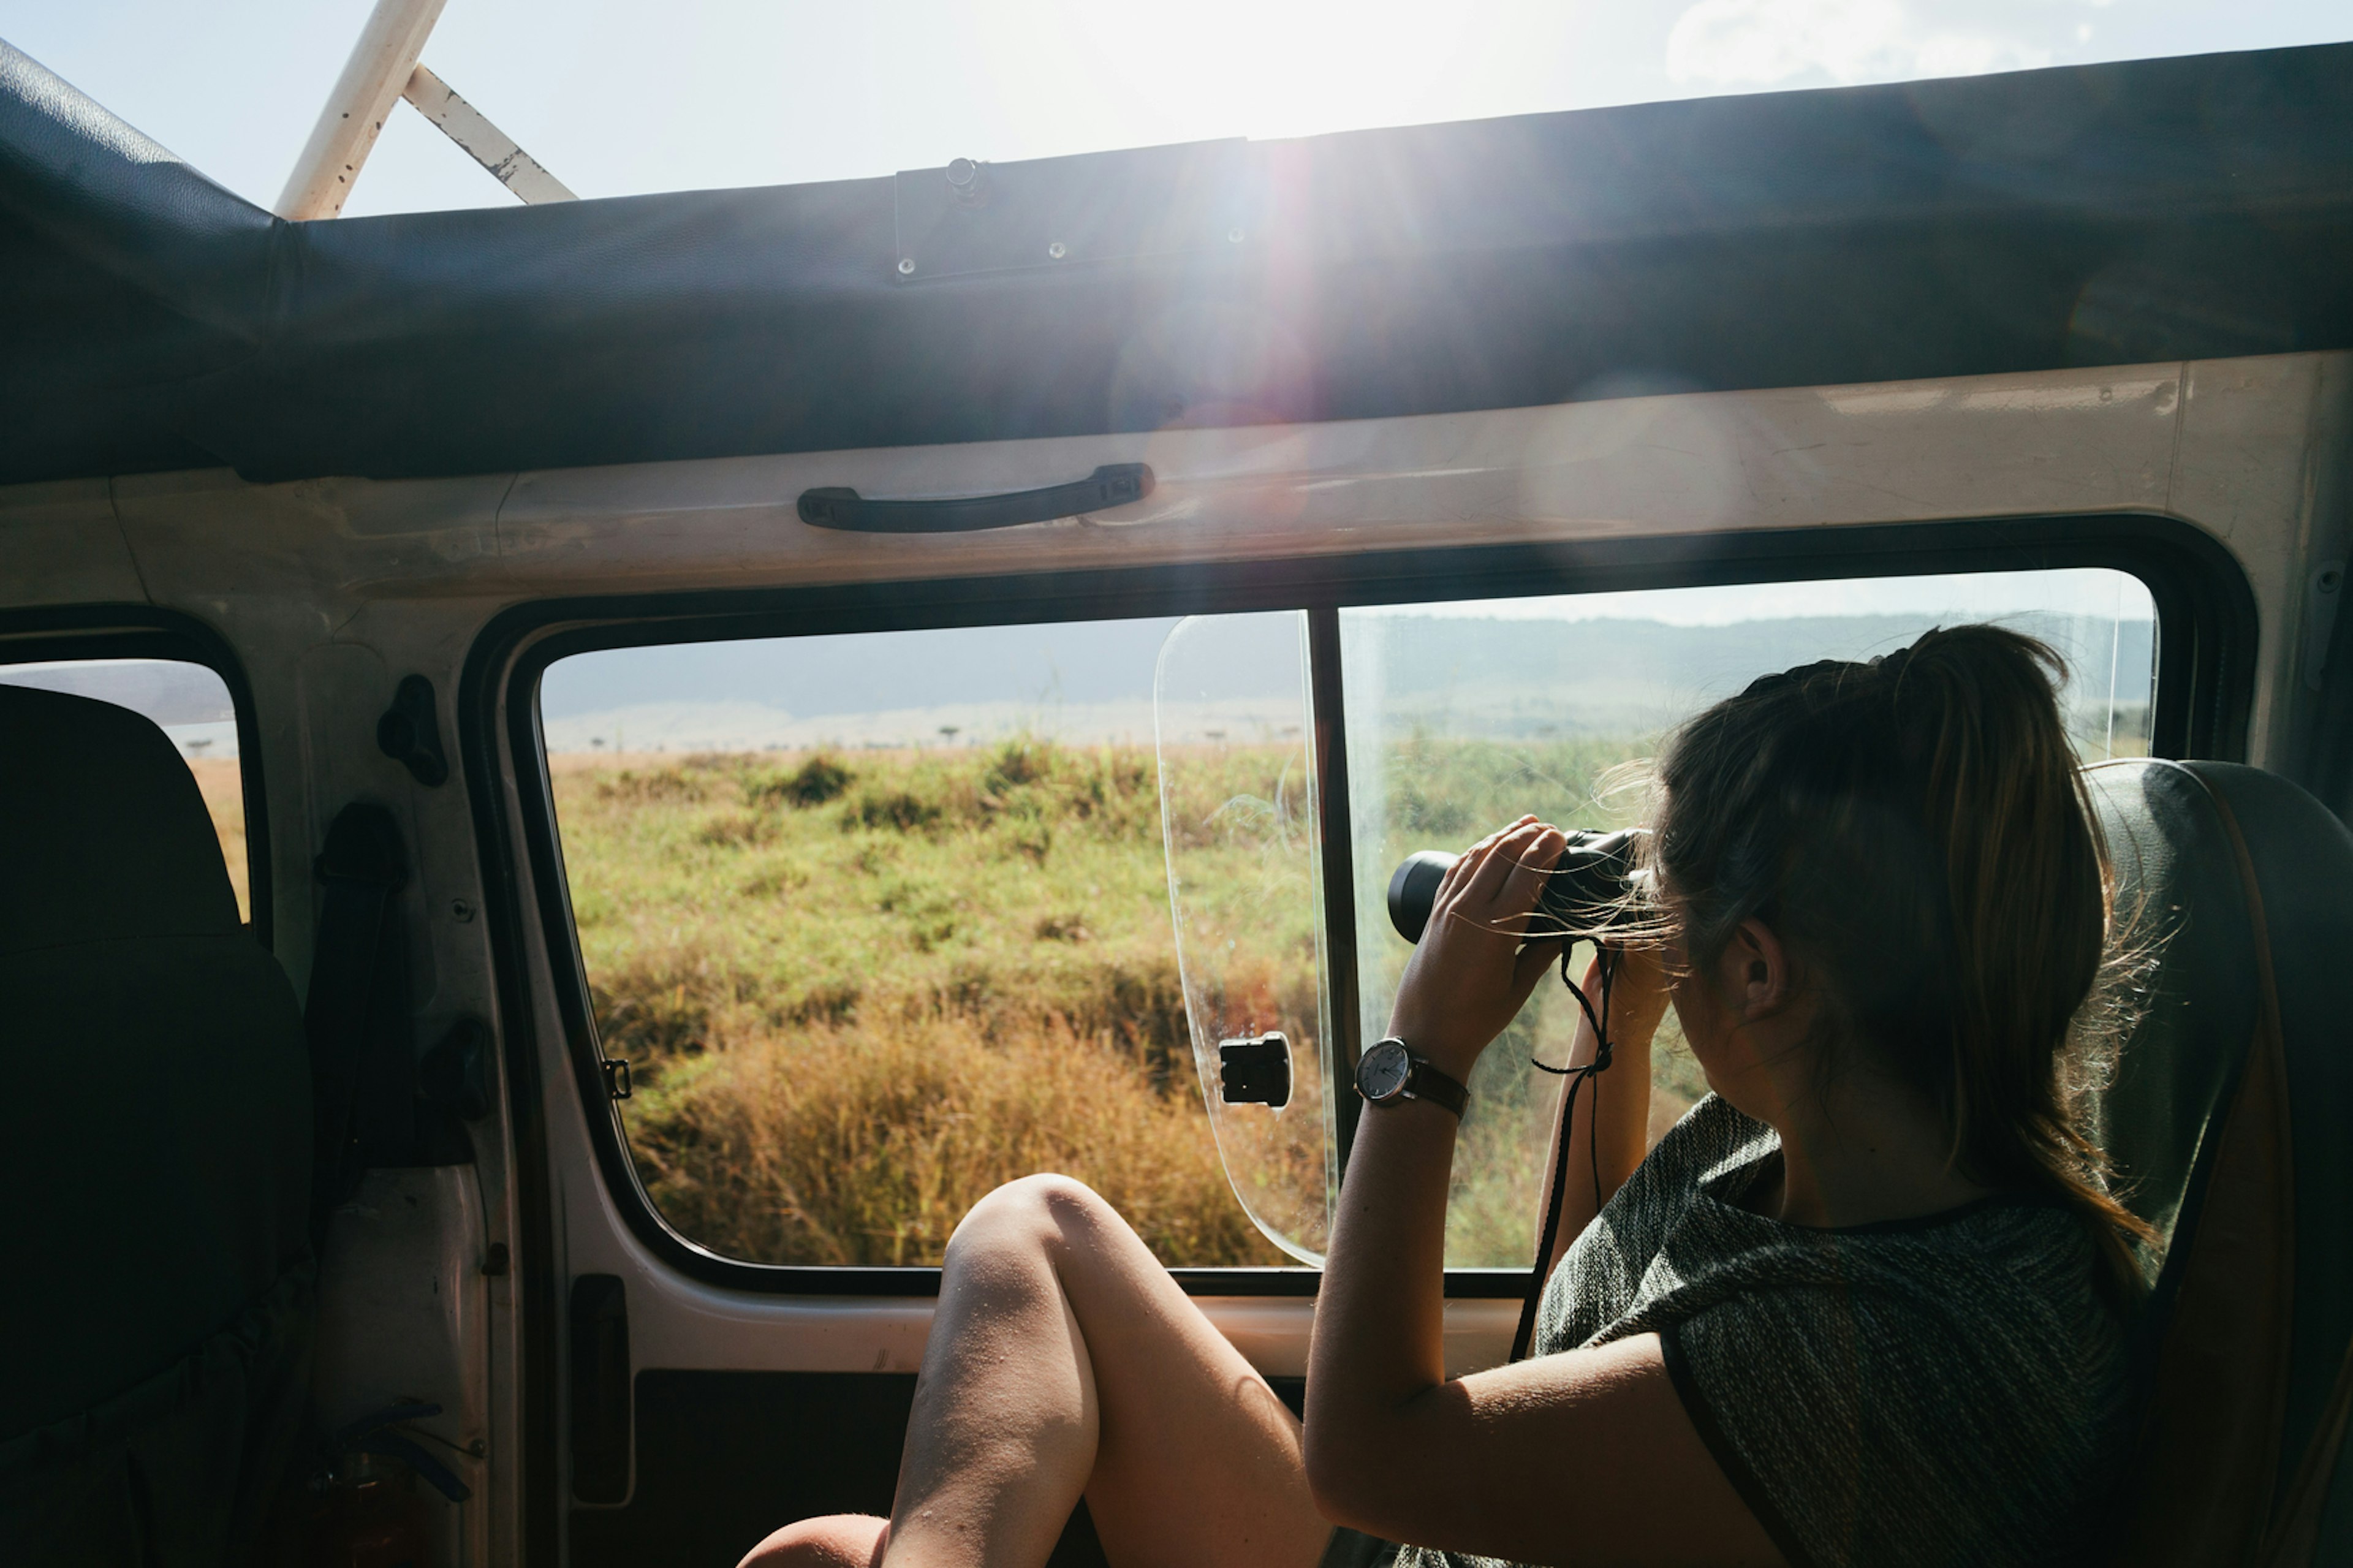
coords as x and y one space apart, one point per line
2005 1255
1708 1143
2011 1270
1711 1147
2021 1265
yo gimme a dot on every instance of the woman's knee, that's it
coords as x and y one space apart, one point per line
838 1540
1038 1212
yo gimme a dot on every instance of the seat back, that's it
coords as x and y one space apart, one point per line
155 1141
2229 1122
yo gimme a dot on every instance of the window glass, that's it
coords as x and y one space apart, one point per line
191 704
1240 817
1461 717
881 920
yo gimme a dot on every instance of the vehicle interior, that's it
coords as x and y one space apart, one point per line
577 778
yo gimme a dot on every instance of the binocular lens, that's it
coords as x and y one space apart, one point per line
1585 894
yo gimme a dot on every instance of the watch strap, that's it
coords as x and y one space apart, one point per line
1426 1082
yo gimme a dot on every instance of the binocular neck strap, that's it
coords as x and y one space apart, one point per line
1532 1298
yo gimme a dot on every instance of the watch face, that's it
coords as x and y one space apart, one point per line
1381 1072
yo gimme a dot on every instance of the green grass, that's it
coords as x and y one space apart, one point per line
859 990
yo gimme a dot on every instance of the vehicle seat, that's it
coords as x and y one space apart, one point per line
2229 1119
155 1139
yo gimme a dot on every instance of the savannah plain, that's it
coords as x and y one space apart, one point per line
859 989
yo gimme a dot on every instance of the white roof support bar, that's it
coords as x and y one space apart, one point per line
381 64
488 146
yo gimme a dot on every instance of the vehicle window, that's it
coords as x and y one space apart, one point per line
192 705
881 920
1461 717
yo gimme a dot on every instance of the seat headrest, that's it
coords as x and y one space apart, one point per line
103 833
2181 904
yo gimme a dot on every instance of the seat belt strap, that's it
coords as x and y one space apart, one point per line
363 866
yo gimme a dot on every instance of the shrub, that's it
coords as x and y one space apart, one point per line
1023 760
651 1010
736 830
898 809
817 780
1061 928
659 785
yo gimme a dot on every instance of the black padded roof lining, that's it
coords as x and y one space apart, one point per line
2183 208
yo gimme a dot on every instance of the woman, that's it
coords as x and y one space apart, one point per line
1858 1306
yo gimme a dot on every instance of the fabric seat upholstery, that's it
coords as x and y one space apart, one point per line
2229 1119
156 1142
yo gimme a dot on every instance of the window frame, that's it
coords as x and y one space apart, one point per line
2205 645
146 631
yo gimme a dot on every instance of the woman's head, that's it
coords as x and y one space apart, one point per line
1912 834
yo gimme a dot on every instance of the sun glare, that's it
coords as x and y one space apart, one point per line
1226 67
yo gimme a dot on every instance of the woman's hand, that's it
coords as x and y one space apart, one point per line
1639 994
1470 976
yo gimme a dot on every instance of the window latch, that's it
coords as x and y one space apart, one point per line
1255 1070
617 1077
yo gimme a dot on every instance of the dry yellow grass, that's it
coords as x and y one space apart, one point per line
866 1145
223 784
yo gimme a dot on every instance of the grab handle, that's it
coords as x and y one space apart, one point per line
1114 484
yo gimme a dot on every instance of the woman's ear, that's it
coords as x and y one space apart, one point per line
1754 971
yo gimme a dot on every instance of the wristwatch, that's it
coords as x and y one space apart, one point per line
1389 1072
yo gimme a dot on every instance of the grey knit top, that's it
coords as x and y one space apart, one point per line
1948 1390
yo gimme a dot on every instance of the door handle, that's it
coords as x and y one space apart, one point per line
1114 484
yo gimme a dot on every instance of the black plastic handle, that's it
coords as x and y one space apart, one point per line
1114 484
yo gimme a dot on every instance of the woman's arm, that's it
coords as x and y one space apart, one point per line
1587 1454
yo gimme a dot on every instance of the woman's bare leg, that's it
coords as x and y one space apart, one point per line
837 1540
1065 1362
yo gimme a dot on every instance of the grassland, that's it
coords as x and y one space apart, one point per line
859 990
222 782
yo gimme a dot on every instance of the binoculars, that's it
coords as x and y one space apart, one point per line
1586 892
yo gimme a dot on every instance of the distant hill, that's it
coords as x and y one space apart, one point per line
1532 676
171 692
187 701
1086 662
1093 680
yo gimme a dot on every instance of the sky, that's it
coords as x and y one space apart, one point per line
1243 674
627 96
2095 592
